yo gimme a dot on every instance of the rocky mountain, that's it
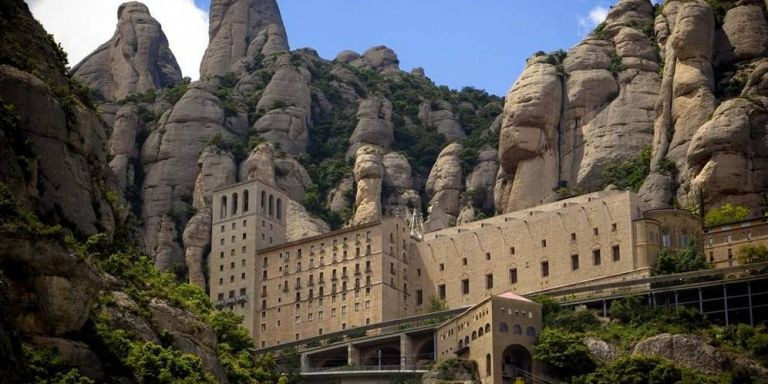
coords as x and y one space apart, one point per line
681 77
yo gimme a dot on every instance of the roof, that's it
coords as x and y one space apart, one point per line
513 296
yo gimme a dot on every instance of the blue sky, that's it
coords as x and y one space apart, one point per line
480 43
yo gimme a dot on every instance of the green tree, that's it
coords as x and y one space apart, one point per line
688 259
726 214
752 253
634 370
629 174
564 351
151 363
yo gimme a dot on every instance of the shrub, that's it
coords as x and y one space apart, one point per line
152 363
726 214
564 351
752 253
44 366
630 173
671 261
634 369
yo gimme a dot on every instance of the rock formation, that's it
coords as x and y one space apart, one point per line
399 193
445 182
686 350
374 125
136 59
241 28
479 185
440 116
369 172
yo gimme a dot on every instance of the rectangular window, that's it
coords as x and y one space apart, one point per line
465 287
512 250
596 257
442 267
487 255
419 297
574 262
464 261
573 237
616 252
545 268
513 276
543 243
441 291
489 281
595 231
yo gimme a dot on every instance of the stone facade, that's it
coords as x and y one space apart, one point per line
247 217
381 271
722 242
498 333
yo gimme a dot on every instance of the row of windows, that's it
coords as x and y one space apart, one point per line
269 205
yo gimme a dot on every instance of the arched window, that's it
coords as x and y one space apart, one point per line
263 201
271 205
666 238
503 327
480 332
461 344
246 198
487 328
279 208
234 203
683 238
223 211
474 335
466 341
530 331
487 364
517 330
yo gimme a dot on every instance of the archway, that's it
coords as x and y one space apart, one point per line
425 352
515 358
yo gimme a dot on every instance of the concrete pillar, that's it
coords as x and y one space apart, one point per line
305 362
406 351
353 355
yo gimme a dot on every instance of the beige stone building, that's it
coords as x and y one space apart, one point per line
722 242
247 217
383 271
498 333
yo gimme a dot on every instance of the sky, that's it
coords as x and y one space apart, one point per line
478 43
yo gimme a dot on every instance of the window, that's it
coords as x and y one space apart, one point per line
517 330
543 243
487 364
545 268
596 257
503 327
419 297
595 231
271 205
574 262
442 267
614 227
489 281
465 286
279 208
573 237
511 250
418 272
464 261
441 291
234 203
530 331
487 255
513 276
245 201
616 252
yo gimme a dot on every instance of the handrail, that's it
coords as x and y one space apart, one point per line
352 331
367 368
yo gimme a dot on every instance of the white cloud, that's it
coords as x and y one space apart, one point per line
83 25
596 16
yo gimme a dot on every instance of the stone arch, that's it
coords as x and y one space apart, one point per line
515 358
487 328
488 365
263 201
474 335
234 203
466 340
480 332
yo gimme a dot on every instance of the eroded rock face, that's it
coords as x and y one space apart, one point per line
73 354
287 102
374 125
189 335
685 350
528 139
261 164
170 180
479 186
746 30
123 147
240 28
399 195
300 224
379 58
444 185
442 118
368 172
601 349
136 59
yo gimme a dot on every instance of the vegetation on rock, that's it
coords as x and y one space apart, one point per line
726 214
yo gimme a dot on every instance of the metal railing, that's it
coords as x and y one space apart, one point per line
386 327
415 368
646 284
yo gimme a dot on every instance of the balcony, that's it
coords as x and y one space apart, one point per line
233 300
